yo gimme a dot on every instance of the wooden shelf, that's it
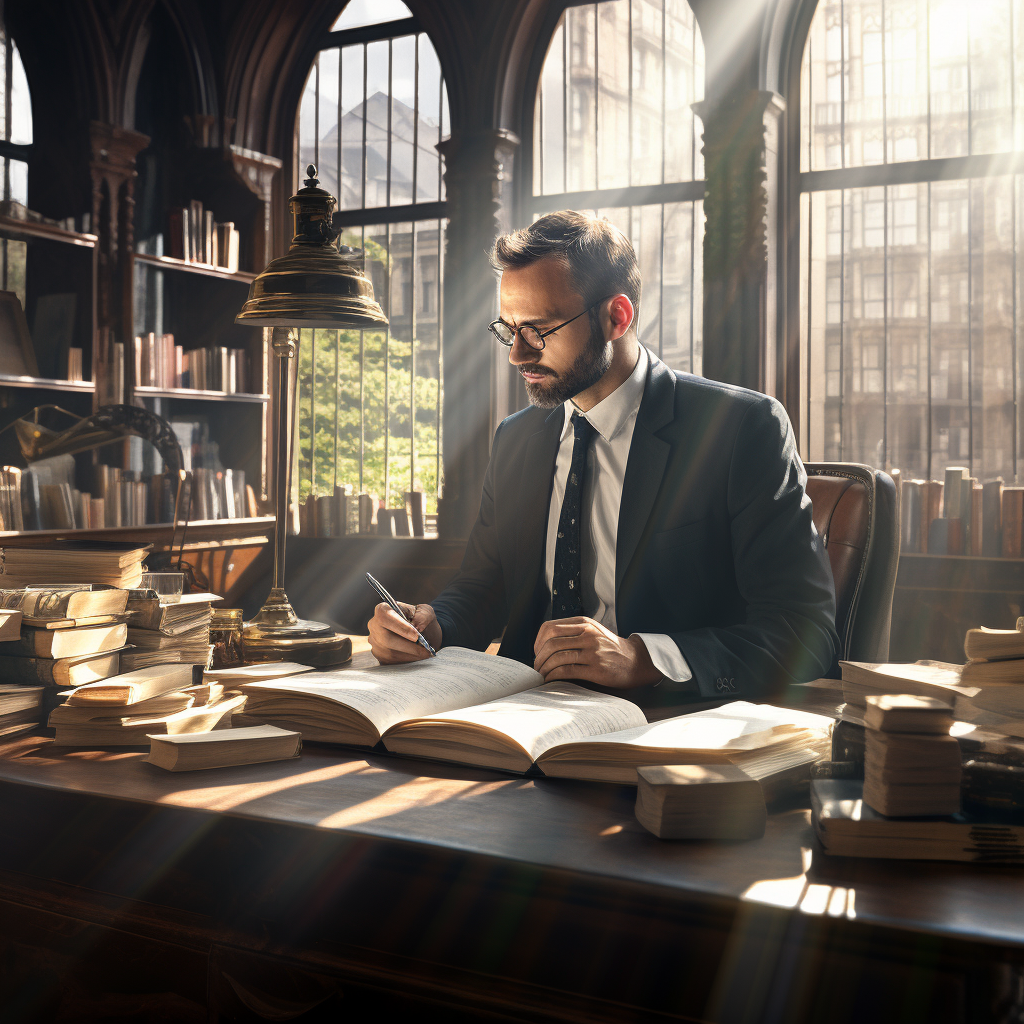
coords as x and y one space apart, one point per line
206 269
50 232
202 534
208 396
46 383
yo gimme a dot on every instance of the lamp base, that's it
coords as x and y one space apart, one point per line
276 633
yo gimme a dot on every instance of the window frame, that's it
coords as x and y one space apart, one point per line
414 214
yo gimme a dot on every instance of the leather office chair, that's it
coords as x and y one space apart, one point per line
855 512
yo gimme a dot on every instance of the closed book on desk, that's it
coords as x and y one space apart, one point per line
699 802
133 687
984 644
162 704
224 748
136 730
21 708
67 643
64 672
848 827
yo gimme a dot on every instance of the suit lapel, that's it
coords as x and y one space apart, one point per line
645 467
534 498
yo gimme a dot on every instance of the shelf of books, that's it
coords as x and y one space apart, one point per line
9 380
201 534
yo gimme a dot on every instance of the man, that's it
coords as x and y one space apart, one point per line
639 529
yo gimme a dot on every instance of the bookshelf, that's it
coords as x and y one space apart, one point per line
188 267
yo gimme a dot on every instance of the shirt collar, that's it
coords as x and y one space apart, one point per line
610 415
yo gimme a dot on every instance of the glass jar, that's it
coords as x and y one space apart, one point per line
226 637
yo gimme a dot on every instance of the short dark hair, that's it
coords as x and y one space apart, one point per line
600 258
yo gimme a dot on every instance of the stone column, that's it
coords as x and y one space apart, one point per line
477 177
740 261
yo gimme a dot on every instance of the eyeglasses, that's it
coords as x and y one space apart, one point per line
506 334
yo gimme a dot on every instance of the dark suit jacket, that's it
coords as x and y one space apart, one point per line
715 543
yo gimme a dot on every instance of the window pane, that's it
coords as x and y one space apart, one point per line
919 330
21 102
614 104
327 121
428 99
902 80
358 13
404 129
669 243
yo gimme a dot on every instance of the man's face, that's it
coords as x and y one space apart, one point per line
575 357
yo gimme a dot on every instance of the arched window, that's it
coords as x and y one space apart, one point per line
15 147
614 133
912 148
369 402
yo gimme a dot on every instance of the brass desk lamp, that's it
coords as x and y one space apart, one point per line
315 284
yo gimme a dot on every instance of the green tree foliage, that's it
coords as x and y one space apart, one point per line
342 413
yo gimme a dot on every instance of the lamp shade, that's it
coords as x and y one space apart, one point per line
317 283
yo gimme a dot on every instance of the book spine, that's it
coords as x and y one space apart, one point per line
992 518
1013 521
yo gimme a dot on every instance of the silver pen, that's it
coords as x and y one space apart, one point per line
385 596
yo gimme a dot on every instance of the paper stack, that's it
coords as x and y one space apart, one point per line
127 709
168 634
911 763
700 802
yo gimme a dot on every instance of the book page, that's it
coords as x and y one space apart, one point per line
387 694
546 715
732 727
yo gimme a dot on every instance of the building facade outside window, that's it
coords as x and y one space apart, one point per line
614 134
911 161
369 402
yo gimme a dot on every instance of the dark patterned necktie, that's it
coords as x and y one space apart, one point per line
566 599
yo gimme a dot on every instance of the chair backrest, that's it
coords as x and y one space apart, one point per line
855 513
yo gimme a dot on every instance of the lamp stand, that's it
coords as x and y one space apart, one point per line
276 633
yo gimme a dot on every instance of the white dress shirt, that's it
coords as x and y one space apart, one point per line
613 419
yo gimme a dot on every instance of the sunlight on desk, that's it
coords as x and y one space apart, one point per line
810 897
414 794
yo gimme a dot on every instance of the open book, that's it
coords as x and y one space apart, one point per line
486 711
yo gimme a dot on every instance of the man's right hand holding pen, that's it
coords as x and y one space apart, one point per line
393 639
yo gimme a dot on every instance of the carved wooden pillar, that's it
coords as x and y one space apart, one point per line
477 176
739 240
112 166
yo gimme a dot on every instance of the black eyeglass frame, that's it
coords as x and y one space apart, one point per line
493 327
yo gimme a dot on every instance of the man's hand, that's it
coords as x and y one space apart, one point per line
393 639
581 648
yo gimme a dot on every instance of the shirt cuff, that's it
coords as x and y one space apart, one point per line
666 656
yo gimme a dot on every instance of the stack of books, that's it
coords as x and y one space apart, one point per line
72 635
911 763
21 708
71 562
127 709
168 634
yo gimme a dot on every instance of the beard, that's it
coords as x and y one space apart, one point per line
587 369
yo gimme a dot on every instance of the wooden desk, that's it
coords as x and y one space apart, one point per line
343 884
